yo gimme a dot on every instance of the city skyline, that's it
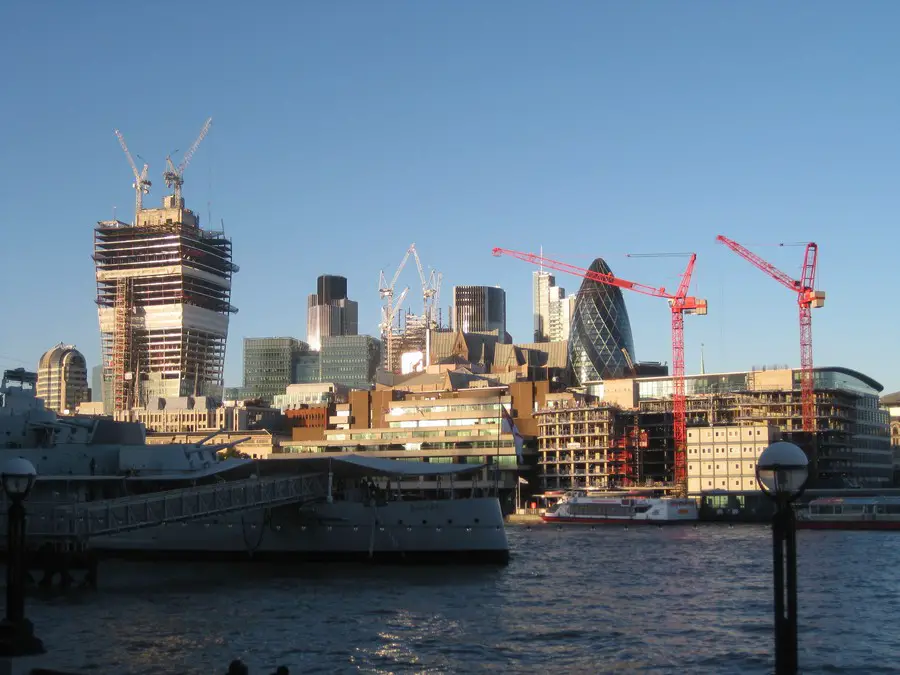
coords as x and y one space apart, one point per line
546 136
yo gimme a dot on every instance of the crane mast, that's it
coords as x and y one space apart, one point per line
174 176
141 183
807 299
386 291
680 303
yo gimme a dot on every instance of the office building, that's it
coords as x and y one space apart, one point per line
350 360
329 311
270 364
600 331
551 309
479 309
62 379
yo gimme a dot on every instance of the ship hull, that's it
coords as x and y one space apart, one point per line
613 521
848 525
464 530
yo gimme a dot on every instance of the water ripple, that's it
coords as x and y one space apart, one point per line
649 601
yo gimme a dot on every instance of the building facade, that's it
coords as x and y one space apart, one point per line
620 432
62 379
562 308
439 427
540 302
97 393
851 446
600 331
479 309
269 365
329 311
164 299
311 394
551 309
723 458
350 360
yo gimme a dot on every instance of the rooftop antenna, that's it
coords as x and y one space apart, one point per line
702 364
173 176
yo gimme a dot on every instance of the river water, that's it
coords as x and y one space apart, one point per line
572 600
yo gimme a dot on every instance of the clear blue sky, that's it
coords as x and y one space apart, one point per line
344 131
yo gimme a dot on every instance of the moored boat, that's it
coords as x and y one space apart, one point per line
580 507
850 513
189 502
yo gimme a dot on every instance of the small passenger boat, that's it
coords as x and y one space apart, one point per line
850 513
580 507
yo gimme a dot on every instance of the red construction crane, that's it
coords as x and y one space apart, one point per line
679 302
808 299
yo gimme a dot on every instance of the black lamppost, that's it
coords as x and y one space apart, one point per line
16 632
782 471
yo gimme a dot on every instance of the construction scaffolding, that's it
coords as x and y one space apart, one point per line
838 450
164 296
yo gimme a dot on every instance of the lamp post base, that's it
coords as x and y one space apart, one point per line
17 639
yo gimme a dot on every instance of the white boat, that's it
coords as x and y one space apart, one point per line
369 508
850 513
580 507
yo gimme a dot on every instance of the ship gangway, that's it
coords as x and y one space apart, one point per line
84 520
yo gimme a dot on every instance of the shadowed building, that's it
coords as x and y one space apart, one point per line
478 309
600 330
62 378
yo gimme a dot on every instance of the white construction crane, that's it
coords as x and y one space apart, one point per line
386 291
141 182
388 314
174 177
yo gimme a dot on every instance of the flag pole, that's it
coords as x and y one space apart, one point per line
518 491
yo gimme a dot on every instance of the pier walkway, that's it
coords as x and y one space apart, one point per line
84 520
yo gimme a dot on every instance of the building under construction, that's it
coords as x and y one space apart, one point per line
621 432
164 298
404 334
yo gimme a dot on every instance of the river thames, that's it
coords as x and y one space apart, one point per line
572 600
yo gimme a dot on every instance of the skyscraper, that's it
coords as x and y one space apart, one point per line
479 309
600 330
542 282
62 378
551 309
329 312
561 309
164 298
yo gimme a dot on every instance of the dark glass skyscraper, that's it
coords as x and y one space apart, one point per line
600 330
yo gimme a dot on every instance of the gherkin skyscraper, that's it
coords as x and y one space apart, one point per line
600 330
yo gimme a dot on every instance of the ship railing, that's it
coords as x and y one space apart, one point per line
84 520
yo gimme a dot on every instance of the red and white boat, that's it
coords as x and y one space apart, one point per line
850 513
579 507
